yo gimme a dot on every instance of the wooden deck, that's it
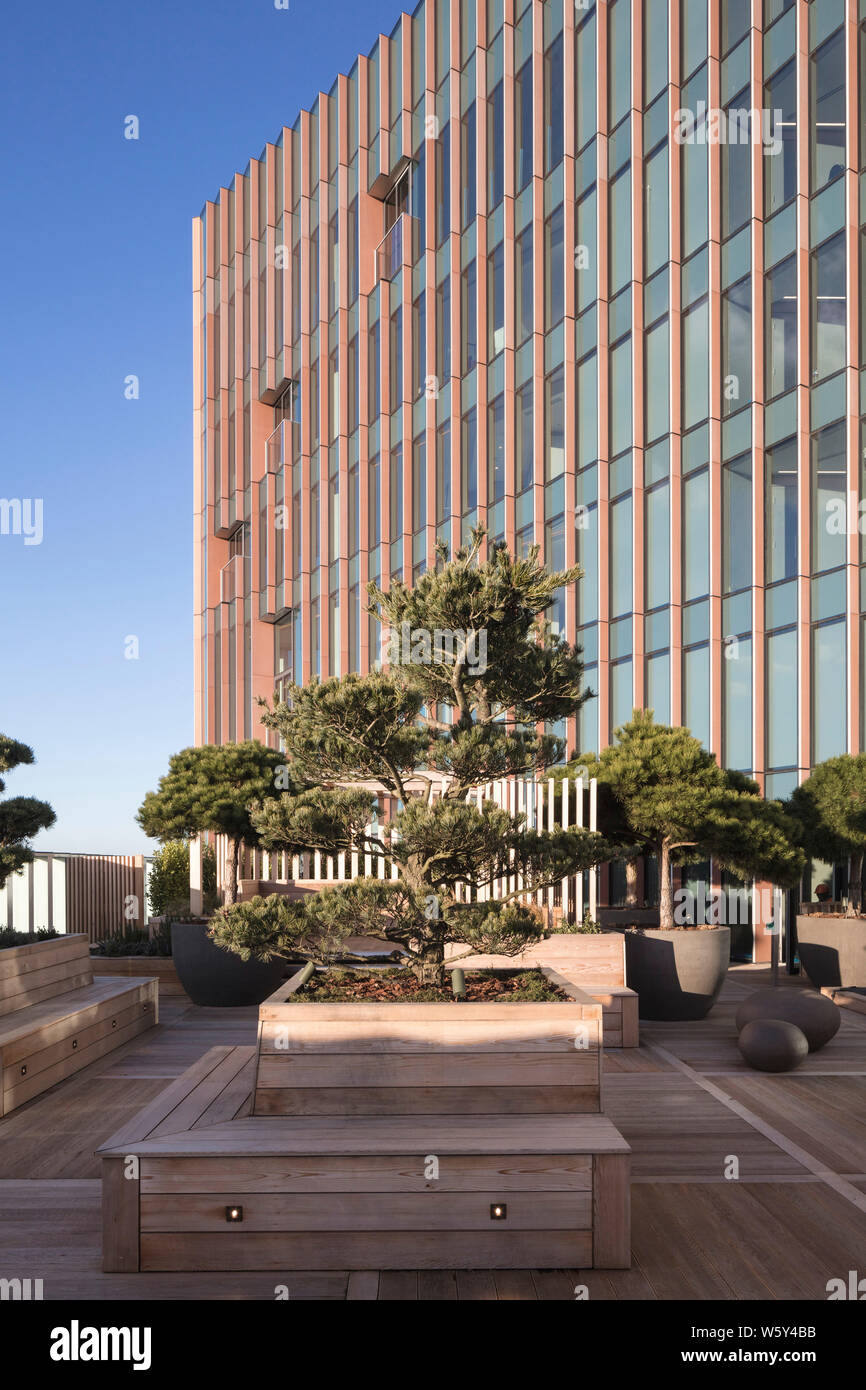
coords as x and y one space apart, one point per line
793 1218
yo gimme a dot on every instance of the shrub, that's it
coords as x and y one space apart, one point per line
8 937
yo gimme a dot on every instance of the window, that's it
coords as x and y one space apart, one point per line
495 301
696 693
656 185
523 132
354 383
496 450
396 363
781 701
696 536
419 483
469 319
419 346
736 153
780 168
737 704
495 148
696 353
737 346
443 330
621 557
657 547
333 267
374 503
619 57
524 437
443 185
523 296
780 521
469 461
443 473
468 166
585 81
374 380
657 383
781 328
395 509
737 524
620 229
828 307
829 691
827 124
585 252
829 496
554 268
554 425
655 76
553 105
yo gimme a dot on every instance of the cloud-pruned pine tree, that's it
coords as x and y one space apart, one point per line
21 817
438 723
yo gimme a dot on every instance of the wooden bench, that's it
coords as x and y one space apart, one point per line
595 962
54 1019
317 1192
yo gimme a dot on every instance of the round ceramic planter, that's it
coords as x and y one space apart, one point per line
832 950
677 974
218 979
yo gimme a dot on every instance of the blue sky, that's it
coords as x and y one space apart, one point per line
96 240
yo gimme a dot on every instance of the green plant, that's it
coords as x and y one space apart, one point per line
168 884
133 941
21 817
587 926
211 789
9 937
672 799
830 811
443 717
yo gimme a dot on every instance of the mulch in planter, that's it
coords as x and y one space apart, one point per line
401 987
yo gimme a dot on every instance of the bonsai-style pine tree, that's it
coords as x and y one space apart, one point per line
212 788
21 817
474 672
830 809
673 800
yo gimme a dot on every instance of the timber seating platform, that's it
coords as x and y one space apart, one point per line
330 1192
54 1019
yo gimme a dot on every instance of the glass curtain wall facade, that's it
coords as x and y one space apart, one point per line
587 274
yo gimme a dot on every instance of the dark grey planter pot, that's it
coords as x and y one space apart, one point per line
833 950
677 974
218 979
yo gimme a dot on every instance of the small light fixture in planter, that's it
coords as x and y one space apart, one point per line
234 1214
498 1211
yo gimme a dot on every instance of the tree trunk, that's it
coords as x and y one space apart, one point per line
429 967
666 900
631 883
855 886
231 888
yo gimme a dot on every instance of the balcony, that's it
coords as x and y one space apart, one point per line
232 580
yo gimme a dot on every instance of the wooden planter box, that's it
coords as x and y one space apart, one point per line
381 1136
135 967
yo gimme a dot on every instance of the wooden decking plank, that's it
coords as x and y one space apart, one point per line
437 1285
476 1285
398 1285
515 1284
363 1285
168 1099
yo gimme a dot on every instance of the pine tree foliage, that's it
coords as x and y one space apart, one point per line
830 810
212 788
661 792
477 670
21 817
